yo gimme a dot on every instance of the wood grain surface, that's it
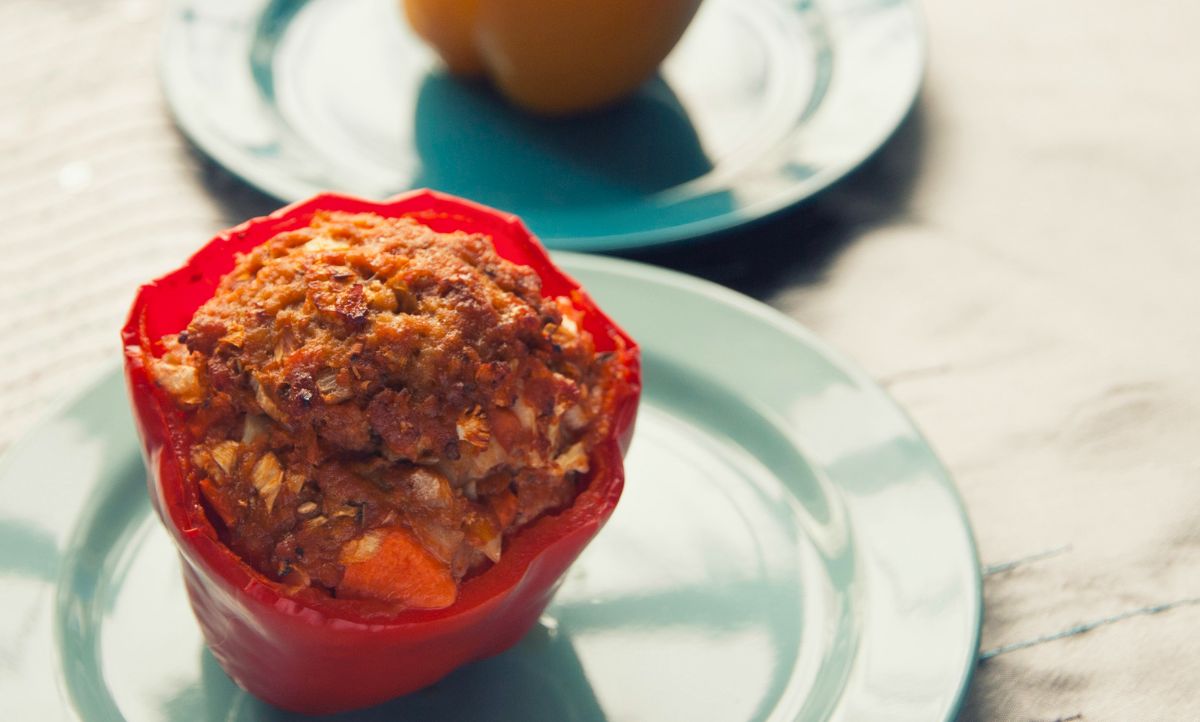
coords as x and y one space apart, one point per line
1018 266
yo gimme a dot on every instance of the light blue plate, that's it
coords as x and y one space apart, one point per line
788 548
762 104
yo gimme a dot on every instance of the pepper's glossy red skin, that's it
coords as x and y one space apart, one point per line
298 648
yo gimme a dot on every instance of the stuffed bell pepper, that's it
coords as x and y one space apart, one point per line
379 433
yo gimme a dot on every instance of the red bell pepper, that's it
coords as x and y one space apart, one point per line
303 650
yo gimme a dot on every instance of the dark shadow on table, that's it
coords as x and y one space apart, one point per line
796 246
977 708
239 200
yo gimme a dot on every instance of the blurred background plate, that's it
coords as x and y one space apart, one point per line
762 104
787 548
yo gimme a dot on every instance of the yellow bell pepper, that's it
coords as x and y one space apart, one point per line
554 56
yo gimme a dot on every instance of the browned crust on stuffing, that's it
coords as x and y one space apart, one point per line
366 373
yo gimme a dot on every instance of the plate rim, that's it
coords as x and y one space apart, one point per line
652 275
281 186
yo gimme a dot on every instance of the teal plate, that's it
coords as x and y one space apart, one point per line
788 548
762 104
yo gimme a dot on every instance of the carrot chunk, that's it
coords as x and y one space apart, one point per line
504 506
219 500
390 564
